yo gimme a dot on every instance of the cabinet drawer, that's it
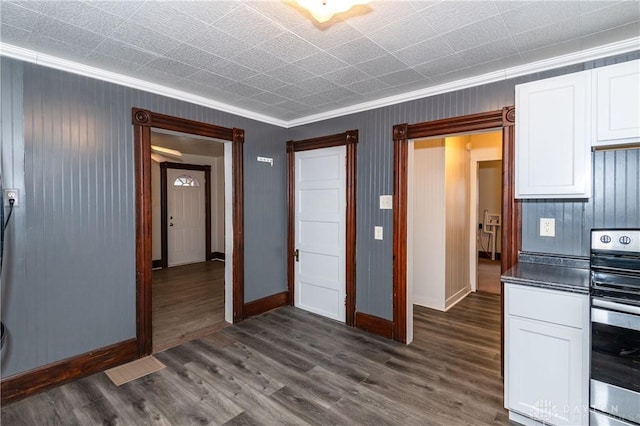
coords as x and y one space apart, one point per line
552 306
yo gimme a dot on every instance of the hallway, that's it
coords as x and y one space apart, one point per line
188 302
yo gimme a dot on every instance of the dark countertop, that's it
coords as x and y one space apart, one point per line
550 276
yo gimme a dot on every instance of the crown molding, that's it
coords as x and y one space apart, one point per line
50 61
599 52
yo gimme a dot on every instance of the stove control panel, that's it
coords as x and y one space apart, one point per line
626 240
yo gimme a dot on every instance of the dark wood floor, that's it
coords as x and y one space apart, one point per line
292 367
488 276
187 303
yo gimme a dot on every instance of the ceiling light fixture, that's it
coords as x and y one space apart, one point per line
323 10
164 150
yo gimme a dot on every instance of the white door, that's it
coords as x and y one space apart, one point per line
186 216
320 231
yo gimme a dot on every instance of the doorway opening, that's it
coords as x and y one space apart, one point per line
454 201
143 121
502 120
188 209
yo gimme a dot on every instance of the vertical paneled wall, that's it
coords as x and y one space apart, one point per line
615 203
69 279
456 185
375 175
71 286
13 298
427 227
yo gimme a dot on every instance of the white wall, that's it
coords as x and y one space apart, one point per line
217 201
428 223
439 202
489 196
457 284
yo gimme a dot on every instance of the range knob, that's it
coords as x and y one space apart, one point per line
625 239
606 239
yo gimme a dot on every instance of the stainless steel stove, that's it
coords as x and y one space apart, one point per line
615 327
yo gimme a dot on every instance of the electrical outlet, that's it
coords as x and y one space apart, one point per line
13 195
547 227
377 232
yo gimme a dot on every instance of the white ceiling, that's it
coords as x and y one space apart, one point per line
268 58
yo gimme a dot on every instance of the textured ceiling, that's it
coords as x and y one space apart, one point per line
269 58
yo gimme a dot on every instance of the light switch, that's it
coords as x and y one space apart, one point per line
377 232
386 202
547 227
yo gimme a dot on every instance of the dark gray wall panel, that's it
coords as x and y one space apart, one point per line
375 178
265 213
71 286
14 297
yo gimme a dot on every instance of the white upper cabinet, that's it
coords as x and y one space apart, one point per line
553 149
617 104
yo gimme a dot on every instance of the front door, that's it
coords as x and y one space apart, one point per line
186 216
320 202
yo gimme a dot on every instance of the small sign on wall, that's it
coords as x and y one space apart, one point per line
266 160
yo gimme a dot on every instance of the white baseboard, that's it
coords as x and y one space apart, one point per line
457 297
428 302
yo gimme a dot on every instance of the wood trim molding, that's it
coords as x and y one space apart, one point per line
265 304
238 223
147 118
291 224
375 325
48 376
350 140
350 253
156 263
511 240
142 121
164 206
400 160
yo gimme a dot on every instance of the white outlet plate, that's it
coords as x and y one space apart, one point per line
547 227
11 193
377 232
386 202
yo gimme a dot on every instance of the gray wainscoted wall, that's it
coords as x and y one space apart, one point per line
615 203
69 276
375 178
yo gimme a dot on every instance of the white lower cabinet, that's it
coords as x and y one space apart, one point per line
546 356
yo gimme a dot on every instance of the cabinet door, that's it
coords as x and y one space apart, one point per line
544 372
553 152
618 103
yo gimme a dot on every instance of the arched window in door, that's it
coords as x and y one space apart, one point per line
186 180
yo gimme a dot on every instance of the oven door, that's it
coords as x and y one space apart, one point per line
615 359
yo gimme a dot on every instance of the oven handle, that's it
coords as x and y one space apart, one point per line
616 306
616 319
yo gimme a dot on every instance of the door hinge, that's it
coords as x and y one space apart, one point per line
296 254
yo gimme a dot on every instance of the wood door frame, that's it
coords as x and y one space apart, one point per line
142 121
511 217
164 206
350 140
